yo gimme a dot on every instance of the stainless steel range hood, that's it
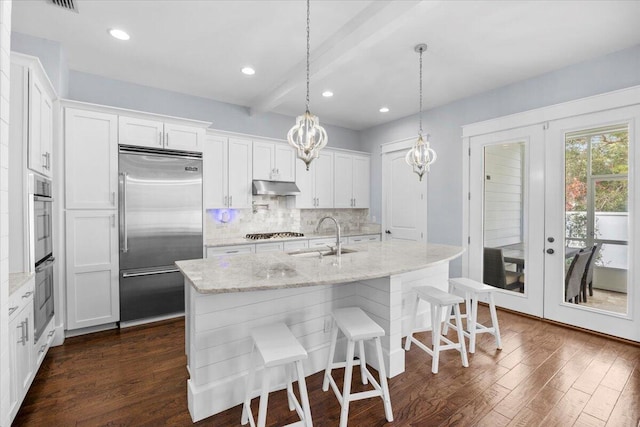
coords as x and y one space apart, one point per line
275 188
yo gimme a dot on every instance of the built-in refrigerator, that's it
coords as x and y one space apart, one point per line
160 222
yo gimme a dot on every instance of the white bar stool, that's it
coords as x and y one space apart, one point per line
357 327
472 290
439 300
277 347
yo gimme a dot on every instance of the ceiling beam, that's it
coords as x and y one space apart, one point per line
374 23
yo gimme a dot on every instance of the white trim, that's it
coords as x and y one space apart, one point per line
400 144
466 146
34 64
602 102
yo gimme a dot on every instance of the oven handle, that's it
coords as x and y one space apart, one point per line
42 198
124 238
48 263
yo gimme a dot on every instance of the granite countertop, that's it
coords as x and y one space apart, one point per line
241 240
16 280
275 270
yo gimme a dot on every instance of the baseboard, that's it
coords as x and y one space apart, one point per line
146 320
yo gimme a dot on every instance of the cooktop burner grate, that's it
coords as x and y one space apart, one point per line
264 236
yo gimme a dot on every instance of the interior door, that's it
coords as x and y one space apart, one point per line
592 197
506 182
405 204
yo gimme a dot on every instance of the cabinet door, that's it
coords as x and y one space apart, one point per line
240 172
343 184
285 162
92 268
37 158
361 181
140 132
180 137
269 247
304 180
20 362
214 173
46 133
91 159
263 160
323 180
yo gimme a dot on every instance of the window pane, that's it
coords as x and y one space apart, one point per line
609 153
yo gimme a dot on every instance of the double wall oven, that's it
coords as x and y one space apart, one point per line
43 253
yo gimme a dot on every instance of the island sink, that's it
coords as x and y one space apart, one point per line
319 253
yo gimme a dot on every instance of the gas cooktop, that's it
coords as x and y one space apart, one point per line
264 236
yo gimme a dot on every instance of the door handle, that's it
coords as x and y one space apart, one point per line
387 231
550 251
124 238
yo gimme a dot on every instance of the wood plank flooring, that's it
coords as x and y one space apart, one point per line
545 375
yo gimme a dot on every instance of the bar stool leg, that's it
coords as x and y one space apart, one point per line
463 350
412 323
435 336
289 376
246 407
363 363
264 398
346 389
472 319
494 321
383 382
332 351
304 397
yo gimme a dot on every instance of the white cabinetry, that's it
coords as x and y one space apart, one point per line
160 134
227 164
351 185
273 161
364 238
230 250
91 159
316 184
32 97
21 366
92 268
326 242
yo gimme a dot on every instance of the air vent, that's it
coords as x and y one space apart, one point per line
65 4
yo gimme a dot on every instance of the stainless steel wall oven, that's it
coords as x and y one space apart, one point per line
43 253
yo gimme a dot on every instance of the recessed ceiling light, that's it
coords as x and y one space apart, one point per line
384 110
248 71
119 34
327 94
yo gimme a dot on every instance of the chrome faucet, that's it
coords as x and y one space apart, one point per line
338 248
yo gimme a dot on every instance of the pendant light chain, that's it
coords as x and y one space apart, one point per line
308 49
421 50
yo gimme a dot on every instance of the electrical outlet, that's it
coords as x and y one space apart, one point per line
327 324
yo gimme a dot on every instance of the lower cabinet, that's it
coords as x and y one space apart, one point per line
230 250
21 362
92 268
364 238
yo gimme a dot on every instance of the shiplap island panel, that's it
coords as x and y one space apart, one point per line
227 296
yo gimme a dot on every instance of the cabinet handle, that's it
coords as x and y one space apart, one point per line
42 348
21 326
50 334
226 200
113 221
160 138
26 329
44 160
12 310
230 201
166 141
27 294
231 252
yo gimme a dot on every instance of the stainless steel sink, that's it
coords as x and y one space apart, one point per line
318 253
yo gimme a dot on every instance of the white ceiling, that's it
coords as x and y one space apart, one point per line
361 50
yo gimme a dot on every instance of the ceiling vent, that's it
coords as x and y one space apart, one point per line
65 4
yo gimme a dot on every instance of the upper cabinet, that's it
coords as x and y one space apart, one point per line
316 184
351 185
227 173
273 161
152 133
91 159
32 97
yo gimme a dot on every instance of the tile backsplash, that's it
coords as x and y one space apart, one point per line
272 213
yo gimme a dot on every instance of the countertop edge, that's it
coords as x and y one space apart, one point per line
17 280
236 241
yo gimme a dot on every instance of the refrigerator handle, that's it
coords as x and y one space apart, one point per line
124 239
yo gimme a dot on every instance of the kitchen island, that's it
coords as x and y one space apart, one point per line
227 296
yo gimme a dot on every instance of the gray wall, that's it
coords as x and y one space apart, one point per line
52 56
610 72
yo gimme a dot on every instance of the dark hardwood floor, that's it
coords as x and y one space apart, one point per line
545 375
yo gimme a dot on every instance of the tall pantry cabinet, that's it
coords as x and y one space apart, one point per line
91 217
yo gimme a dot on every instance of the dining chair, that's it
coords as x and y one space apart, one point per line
588 278
575 276
495 273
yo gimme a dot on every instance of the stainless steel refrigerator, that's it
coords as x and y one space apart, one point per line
160 217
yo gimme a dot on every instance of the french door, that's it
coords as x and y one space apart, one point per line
574 187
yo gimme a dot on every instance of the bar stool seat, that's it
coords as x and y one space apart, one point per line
276 346
357 327
473 290
440 301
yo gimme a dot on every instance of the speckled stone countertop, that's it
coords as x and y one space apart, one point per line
16 280
241 240
275 270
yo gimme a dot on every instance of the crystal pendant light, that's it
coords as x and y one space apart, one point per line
421 155
307 136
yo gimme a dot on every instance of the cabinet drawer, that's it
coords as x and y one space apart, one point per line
269 247
365 238
295 245
315 243
230 250
21 297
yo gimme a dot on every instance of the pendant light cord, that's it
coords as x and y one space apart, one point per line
421 50
308 48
